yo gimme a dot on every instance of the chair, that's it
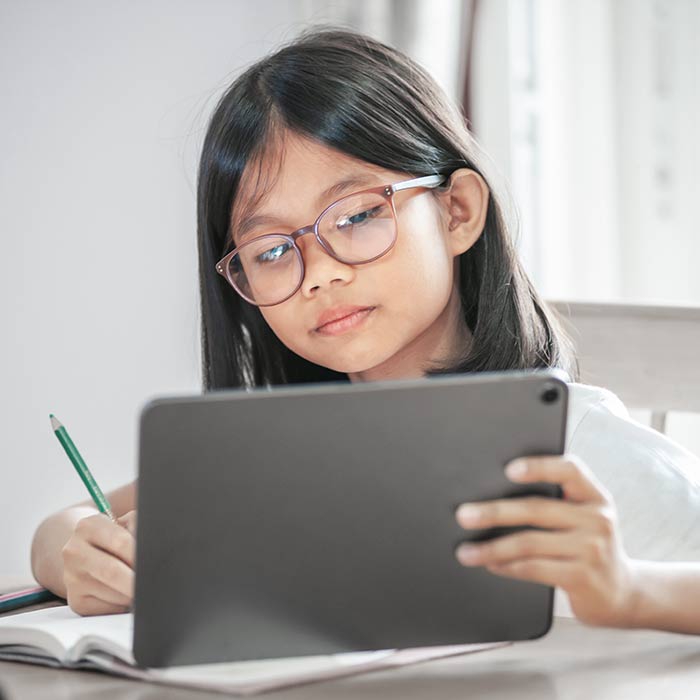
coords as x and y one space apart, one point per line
648 355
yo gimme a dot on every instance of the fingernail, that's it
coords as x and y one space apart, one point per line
516 468
467 554
468 514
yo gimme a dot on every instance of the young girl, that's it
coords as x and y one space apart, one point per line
347 233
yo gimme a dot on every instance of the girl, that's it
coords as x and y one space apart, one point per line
347 233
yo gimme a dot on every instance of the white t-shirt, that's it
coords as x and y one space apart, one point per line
654 481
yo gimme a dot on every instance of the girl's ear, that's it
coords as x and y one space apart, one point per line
465 203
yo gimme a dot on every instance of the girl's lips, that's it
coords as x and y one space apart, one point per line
342 325
335 313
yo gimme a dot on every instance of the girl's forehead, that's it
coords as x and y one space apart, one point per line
289 156
292 164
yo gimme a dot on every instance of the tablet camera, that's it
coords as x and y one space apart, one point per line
550 394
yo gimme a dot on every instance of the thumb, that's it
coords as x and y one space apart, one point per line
128 521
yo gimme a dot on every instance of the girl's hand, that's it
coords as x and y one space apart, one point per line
580 550
98 563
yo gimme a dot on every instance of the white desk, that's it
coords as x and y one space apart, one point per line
573 662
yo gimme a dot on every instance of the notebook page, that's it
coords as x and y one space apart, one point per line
58 631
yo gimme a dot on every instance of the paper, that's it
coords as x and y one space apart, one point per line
104 641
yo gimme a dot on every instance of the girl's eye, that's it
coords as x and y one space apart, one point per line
273 253
359 218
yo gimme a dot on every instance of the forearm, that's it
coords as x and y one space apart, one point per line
667 596
49 539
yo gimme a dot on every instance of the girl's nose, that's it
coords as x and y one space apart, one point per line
322 270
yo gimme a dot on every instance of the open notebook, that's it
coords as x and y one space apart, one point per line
59 637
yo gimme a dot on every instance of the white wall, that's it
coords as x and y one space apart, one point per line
102 114
102 110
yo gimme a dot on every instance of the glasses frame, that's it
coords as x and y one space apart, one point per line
387 191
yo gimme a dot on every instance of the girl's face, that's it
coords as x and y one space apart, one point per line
412 290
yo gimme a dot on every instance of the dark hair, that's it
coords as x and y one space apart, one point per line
370 101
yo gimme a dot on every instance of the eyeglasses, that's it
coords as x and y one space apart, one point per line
355 229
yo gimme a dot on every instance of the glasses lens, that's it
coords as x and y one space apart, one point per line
266 270
359 228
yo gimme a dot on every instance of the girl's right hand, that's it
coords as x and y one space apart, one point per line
98 565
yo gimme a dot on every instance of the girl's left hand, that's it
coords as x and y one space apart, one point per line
580 550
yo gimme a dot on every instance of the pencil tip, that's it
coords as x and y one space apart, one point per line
55 423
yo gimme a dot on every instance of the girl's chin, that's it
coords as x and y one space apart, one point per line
349 365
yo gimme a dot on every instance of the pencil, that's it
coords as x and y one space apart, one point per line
83 472
24 597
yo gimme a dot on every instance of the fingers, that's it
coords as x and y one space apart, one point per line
90 605
529 510
563 573
577 481
528 544
111 595
112 573
84 566
112 538
579 485
98 562
128 521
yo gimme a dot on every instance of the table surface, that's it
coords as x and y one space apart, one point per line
573 661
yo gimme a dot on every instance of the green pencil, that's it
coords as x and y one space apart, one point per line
79 463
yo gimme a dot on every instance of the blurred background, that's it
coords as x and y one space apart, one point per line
589 112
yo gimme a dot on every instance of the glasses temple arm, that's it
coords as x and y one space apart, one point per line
425 181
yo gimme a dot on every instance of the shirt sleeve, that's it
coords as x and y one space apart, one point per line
654 481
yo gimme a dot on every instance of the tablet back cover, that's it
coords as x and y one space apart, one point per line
320 519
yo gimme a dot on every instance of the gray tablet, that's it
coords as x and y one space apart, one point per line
319 518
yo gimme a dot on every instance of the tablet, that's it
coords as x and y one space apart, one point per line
320 518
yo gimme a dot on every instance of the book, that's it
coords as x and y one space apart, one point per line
61 638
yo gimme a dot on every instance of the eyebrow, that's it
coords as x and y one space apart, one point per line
254 221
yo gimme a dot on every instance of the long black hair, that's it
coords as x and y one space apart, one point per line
370 101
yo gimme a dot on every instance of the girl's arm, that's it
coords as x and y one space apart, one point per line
666 596
55 530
